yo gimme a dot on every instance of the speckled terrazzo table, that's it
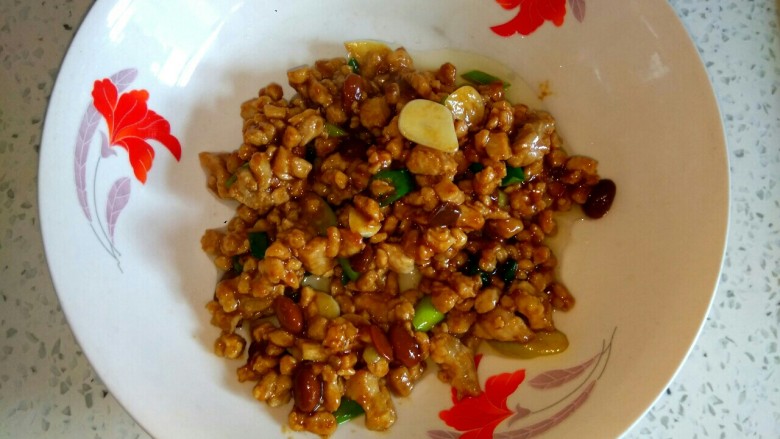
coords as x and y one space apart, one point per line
729 387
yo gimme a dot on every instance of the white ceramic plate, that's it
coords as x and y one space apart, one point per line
627 88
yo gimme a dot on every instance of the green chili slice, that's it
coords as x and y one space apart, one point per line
347 269
353 64
258 244
426 316
482 78
334 130
401 180
513 175
347 411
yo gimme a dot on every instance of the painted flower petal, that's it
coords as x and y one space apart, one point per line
530 16
499 387
104 98
131 124
509 4
141 155
130 111
553 10
472 412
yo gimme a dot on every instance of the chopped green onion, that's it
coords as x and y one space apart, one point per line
401 180
258 244
513 175
485 278
426 316
334 130
476 167
347 269
347 411
232 179
481 78
353 64
508 270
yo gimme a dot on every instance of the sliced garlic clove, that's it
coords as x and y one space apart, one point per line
320 283
466 104
359 49
428 123
358 223
326 305
409 281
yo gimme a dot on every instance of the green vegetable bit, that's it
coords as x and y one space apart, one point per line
258 244
334 130
471 268
232 179
426 316
508 270
476 167
347 411
481 78
503 199
347 269
324 218
513 175
237 266
401 180
353 64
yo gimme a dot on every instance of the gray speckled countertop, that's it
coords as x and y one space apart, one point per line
728 388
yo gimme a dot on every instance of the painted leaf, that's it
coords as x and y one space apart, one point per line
105 151
578 9
123 78
478 416
443 434
542 426
83 139
118 196
559 377
520 413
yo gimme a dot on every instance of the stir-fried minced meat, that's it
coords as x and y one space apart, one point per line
356 254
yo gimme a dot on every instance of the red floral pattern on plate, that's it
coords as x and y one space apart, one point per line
478 416
532 14
130 125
